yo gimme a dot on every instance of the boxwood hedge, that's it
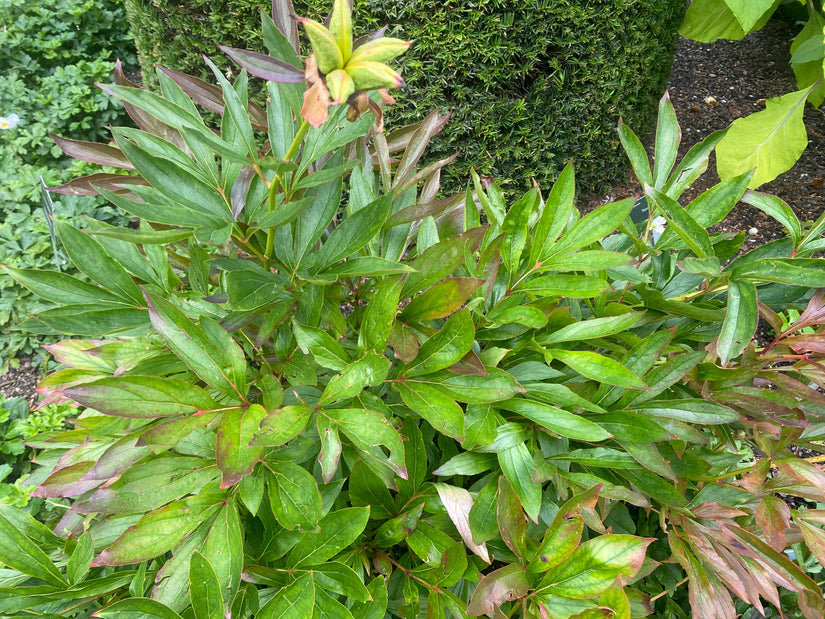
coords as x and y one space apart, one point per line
530 83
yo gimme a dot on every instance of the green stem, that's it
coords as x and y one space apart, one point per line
276 182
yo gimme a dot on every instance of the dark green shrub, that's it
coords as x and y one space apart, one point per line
529 84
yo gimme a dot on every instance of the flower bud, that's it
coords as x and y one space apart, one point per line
371 75
328 55
380 50
340 86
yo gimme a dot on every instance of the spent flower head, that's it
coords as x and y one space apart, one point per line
9 122
337 73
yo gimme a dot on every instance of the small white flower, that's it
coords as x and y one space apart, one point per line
657 227
9 122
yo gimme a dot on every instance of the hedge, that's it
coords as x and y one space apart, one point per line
529 84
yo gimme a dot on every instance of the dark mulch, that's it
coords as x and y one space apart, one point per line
712 85
737 75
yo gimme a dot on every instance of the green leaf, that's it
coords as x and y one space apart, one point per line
90 258
589 329
295 601
636 153
224 547
175 182
594 226
331 448
554 217
598 367
810 72
517 465
740 321
668 137
466 463
204 589
352 234
341 580
282 425
380 315
691 411
370 370
770 141
778 210
559 542
809 272
369 266
141 397
586 260
708 20
483 515
749 12
63 288
366 489
20 553
294 496
207 349
237 428
563 285
324 348
497 385
694 235
692 165
440 300
378 606
367 430
159 531
631 426
137 608
556 420
446 347
514 228
594 565
82 556
440 410
336 531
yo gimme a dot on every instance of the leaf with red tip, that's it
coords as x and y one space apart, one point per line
211 97
503 585
88 185
159 531
93 152
264 66
234 455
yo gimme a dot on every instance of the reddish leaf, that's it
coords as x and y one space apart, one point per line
211 97
87 185
774 516
503 585
441 300
263 66
236 430
93 152
68 481
512 523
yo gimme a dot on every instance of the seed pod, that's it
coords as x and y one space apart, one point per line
340 86
340 25
380 50
327 53
371 75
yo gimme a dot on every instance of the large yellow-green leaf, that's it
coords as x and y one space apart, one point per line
770 141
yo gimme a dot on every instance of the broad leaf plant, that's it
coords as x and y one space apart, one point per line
315 388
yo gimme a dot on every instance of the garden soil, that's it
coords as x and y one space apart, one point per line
711 85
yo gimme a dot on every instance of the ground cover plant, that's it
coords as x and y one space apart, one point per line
51 56
313 386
